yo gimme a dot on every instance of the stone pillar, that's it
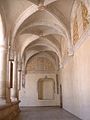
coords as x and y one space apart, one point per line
23 74
14 90
60 79
19 79
19 70
8 100
3 73
18 83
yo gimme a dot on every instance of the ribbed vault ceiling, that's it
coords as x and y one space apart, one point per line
38 25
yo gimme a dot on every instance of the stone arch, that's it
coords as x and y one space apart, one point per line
41 54
49 47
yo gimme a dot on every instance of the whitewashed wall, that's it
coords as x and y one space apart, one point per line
76 83
29 95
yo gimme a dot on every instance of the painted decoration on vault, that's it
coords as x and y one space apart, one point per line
40 64
84 15
75 31
80 20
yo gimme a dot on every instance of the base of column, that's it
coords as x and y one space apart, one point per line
2 101
8 100
10 111
13 95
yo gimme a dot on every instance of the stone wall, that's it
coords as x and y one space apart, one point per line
76 82
29 94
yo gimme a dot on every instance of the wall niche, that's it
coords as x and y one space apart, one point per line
46 89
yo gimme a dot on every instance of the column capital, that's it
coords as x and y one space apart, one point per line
11 54
3 48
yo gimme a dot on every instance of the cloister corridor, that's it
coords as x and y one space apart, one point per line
44 59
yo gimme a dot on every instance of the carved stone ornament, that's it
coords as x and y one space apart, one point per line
41 7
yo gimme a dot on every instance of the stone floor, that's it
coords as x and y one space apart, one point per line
44 113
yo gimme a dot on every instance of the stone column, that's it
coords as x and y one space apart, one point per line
3 73
23 74
60 79
18 83
8 100
19 79
14 90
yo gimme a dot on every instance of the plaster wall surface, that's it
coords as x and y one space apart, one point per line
76 82
29 94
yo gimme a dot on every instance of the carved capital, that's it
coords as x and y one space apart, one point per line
41 7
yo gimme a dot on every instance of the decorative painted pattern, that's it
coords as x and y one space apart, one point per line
84 15
40 64
75 31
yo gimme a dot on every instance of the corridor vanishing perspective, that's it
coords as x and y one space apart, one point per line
44 59
45 113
